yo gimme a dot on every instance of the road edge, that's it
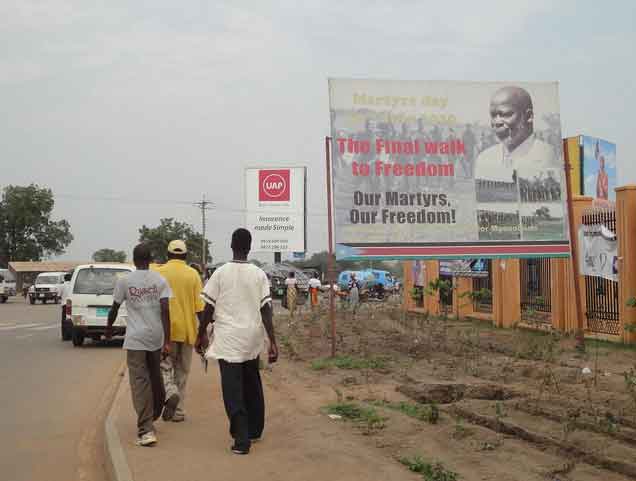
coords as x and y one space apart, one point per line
116 464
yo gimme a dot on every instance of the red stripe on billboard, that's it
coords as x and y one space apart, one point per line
465 250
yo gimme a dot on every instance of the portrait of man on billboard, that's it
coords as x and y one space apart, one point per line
602 179
518 150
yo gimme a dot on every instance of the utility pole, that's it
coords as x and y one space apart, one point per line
204 205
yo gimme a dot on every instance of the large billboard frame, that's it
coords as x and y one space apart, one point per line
436 249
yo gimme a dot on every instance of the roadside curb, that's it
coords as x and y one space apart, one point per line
116 463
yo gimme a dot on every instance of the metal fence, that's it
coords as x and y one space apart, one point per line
601 295
483 303
536 299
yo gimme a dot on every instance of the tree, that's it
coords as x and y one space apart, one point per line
27 232
169 229
109 255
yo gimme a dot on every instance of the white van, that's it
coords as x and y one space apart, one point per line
90 299
47 287
7 285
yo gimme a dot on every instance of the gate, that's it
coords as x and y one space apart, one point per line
536 299
601 295
483 303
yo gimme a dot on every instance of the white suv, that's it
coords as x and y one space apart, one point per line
90 298
47 287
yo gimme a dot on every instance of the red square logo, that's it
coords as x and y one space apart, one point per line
273 185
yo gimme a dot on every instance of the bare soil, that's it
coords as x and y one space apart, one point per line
514 404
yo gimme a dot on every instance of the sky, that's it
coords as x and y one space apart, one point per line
132 111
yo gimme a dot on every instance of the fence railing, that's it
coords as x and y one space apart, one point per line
484 303
536 298
601 295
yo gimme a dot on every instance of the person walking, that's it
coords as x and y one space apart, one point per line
147 295
354 295
238 296
292 293
185 306
314 288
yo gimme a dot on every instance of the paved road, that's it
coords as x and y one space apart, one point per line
53 398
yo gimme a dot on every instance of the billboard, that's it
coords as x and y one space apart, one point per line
437 169
599 168
275 205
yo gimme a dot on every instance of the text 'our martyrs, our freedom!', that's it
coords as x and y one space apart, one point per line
435 209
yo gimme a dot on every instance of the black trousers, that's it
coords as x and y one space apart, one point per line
244 401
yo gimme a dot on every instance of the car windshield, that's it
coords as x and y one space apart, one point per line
47 280
97 281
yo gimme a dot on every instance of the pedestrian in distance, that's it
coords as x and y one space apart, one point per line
147 296
186 307
238 302
314 288
292 293
354 295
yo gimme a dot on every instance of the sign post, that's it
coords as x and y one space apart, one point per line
580 333
331 268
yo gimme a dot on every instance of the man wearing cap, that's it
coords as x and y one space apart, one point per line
185 306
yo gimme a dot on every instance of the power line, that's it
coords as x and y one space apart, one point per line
223 209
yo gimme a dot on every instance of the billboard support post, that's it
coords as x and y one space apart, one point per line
580 335
331 271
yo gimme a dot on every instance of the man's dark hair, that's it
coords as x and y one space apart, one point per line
241 240
181 257
142 254
292 274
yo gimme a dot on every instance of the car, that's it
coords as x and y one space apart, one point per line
89 301
47 287
277 273
7 285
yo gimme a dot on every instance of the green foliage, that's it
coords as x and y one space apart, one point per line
168 230
631 302
27 232
429 471
109 255
421 412
630 384
348 362
367 417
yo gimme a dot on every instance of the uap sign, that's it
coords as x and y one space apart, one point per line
273 185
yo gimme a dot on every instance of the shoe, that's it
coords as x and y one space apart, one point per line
147 439
178 418
170 407
239 450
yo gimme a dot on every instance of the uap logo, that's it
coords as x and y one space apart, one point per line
273 185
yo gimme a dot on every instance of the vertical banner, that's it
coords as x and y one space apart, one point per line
275 204
576 166
447 170
599 168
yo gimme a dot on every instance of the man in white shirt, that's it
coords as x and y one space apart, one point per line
238 302
519 153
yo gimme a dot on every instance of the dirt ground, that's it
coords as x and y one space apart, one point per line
459 399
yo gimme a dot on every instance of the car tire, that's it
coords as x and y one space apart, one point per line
67 333
77 338
31 300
